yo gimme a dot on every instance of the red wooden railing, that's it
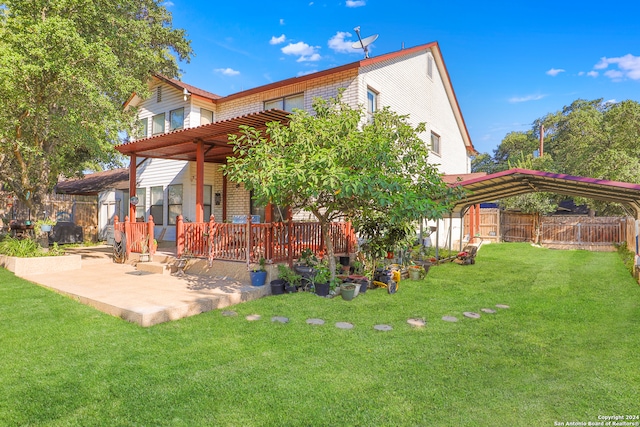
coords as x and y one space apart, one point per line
138 234
277 242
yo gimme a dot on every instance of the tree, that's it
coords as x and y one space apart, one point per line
66 68
333 165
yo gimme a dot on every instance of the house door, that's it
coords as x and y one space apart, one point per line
108 212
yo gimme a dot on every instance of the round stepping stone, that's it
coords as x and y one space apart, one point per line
252 317
280 319
382 327
471 315
449 319
315 322
229 313
488 310
502 306
416 322
344 325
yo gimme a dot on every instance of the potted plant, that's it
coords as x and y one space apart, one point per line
258 274
348 290
416 272
291 278
321 279
306 267
43 226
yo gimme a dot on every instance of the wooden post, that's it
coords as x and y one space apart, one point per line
477 220
127 233
248 243
472 218
179 236
200 181
212 225
132 188
150 233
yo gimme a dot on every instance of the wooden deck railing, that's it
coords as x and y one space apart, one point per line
277 242
138 234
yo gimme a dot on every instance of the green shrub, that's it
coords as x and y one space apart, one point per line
26 248
626 255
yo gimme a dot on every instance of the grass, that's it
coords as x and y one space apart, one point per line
565 351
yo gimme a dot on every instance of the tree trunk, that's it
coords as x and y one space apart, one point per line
324 227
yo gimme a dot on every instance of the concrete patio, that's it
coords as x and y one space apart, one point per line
144 297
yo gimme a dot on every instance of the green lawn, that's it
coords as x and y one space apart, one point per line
566 351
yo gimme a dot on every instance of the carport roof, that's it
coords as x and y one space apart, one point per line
517 181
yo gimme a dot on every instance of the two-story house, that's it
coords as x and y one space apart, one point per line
182 132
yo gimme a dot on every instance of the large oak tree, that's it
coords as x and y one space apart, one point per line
66 68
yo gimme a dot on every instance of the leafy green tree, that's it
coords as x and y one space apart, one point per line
66 68
514 146
336 164
483 162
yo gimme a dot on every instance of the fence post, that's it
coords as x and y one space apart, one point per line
179 236
212 225
248 243
150 233
128 234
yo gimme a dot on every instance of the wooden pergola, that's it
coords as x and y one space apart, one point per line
206 143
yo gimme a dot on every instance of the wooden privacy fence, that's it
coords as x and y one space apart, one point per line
81 210
567 231
276 242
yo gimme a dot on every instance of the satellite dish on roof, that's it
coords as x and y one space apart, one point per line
363 43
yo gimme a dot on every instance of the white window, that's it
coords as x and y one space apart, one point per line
207 202
372 104
157 205
430 67
435 143
174 199
158 124
176 119
206 117
287 103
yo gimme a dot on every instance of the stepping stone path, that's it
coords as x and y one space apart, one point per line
471 315
344 325
229 313
315 322
449 319
502 306
280 319
416 322
253 317
488 310
382 327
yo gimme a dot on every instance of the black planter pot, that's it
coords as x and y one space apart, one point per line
322 289
277 287
364 285
290 288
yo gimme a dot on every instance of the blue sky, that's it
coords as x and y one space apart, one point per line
510 62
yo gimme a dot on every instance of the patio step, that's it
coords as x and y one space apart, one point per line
153 267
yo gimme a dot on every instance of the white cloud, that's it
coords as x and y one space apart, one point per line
338 43
168 4
281 21
555 71
303 51
593 74
518 99
356 3
227 71
277 40
615 75
628 67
